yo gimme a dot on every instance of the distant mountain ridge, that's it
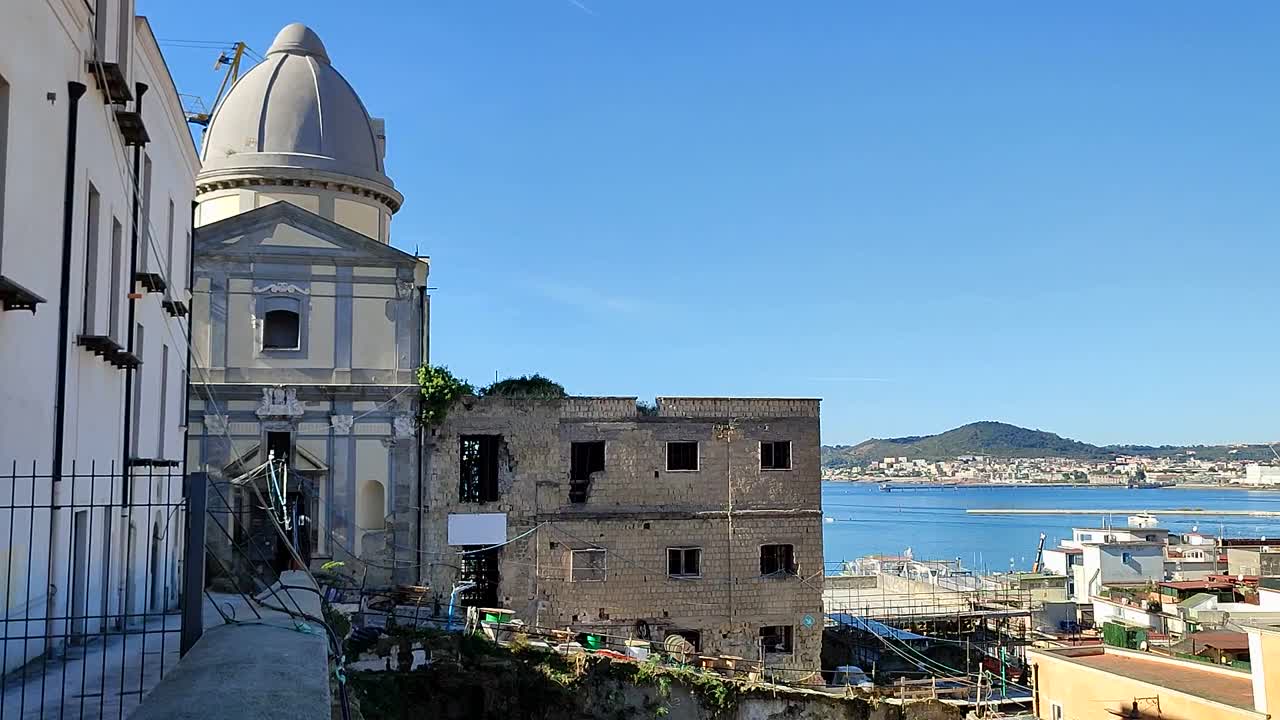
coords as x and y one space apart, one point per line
997 439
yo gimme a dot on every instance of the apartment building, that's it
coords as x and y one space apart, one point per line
97 172
700 518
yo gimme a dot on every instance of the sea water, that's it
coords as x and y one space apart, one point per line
934 525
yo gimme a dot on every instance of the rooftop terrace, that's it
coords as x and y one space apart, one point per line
1210 682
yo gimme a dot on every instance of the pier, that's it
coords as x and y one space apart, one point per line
1104 511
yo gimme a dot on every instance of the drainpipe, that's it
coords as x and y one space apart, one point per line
191 285
74 91
125 489
422 436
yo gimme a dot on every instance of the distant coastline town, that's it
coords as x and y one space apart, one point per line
984 453
1186 471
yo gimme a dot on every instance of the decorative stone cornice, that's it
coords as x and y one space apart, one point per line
280 402
282 288
352 186
215 424
342 424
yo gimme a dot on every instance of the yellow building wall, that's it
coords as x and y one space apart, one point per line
364 219
373 333
1267 668
1092 694
306 202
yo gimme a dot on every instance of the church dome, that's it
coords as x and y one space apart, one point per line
293 118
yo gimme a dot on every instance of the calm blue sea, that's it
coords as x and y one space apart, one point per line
933 522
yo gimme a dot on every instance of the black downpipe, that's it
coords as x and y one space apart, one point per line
191 284
422 432
74 91
125 489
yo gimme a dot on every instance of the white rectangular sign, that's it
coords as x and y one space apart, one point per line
477 528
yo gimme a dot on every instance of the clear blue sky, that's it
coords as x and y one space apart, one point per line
1061 215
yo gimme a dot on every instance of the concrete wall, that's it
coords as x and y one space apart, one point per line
1089 693
1121 564
43 46
1253 561
636 509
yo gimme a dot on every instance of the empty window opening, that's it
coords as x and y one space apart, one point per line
91 262
682 456
694 637
116 296
777 560
164 401
279 445
585 458
588 565
4 144
280 330
480 566
684 562
775 455
776 638
168 256
478 467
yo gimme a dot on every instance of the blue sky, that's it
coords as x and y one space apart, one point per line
1058 215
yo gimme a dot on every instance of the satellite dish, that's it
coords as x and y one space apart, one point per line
678 648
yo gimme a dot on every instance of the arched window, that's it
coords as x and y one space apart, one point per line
372 511
281 330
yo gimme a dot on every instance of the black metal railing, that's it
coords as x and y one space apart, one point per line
92 568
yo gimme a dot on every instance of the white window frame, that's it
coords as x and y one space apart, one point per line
684 576
1055 711
604 565
698 455
775 469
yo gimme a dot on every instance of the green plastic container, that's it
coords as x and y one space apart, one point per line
498 616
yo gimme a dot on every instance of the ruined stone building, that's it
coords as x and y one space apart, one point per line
702 520
308 327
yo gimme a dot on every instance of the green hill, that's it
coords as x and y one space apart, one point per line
1003 440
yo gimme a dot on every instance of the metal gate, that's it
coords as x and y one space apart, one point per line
91 577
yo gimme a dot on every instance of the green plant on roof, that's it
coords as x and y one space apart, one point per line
440 390
531 386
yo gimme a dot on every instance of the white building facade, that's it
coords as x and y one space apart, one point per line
97 172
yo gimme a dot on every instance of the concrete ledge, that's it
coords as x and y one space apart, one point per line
271 667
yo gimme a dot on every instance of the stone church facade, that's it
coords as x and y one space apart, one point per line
308 327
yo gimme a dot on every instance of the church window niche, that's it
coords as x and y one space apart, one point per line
280 330
283 325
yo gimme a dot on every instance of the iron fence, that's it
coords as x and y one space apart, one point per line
92 567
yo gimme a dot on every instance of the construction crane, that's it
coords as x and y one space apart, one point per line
1035 566
201 115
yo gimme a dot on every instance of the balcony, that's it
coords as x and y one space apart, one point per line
126 360
15 297
153 282
101 345
176 308
132 128
152 462
110 79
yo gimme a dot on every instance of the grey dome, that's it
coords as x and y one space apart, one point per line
293 112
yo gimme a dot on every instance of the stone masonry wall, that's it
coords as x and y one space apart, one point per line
738 407
636 509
